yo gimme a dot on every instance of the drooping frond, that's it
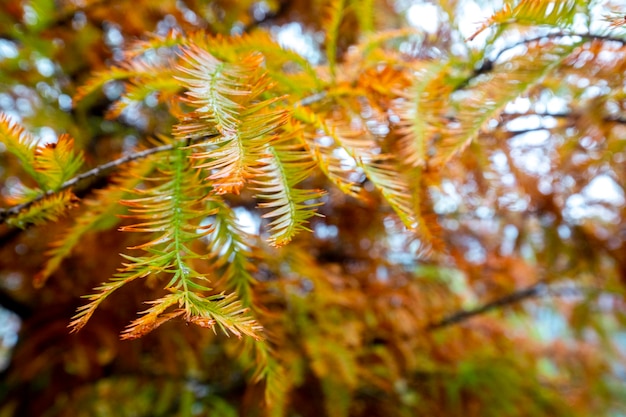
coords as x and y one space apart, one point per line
170 210
381 169
57 162
419 113
395 188
339 167
346 148
354 145
230 252
225 311
224 97
19 143
102 212
155 316
286 164
486 99
267 368
214 89
48 209
333 14
533 12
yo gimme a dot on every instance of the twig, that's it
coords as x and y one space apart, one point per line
488 64
586 36
100 169
540 289
563 115
532 291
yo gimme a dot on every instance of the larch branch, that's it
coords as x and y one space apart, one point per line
488 64
555 35
95 172
99 170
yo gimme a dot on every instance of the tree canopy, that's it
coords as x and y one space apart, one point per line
313 208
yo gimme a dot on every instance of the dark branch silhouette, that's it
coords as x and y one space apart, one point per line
488 64
539 289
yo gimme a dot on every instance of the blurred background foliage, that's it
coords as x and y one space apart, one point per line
514 308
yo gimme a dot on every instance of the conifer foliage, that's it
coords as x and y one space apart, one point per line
365 219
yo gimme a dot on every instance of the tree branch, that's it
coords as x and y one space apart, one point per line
539 289
555 35
508 299
563 115
488 64
95 172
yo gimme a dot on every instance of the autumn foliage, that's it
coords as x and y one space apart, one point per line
326 208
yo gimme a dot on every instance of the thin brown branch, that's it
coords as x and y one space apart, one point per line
556 35
463 315
95 172
540 289
563 115
488 64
